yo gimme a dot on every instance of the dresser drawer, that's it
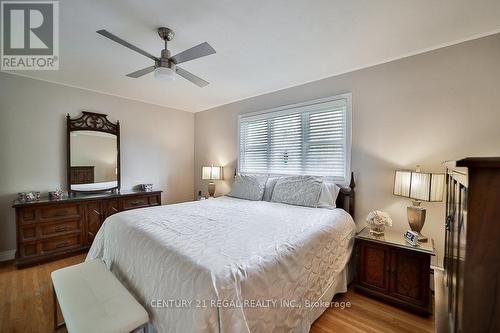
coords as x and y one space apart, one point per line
59 243
29 249
32 251
28 232
59 212
53 229
135 202
155 200
27 215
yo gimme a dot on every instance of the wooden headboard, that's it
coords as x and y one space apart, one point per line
345 199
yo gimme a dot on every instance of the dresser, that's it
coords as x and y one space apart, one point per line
52 229
471 280
82 174
393 270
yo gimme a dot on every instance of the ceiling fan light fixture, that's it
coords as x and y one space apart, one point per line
165 67
164 74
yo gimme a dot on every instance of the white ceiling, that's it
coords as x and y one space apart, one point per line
262 46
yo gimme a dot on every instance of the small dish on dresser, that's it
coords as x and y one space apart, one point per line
28 196
146 187
56 195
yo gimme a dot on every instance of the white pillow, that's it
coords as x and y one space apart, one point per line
268 191
249 187
328 195
297 190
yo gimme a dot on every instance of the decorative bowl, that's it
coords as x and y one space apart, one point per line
147 187
28 196
56 195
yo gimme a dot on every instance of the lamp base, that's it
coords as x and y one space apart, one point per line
422 238
416 219
211 189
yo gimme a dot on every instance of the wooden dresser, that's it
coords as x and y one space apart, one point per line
471 279
52 229
392 270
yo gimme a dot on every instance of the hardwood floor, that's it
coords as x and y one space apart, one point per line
26 306
370 315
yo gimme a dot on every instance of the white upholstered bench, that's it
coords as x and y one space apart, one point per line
93 300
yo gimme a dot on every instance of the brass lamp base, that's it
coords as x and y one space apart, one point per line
211 189
416 219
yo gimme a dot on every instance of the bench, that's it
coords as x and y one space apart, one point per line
93 300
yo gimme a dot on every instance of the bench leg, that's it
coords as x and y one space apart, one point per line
56 324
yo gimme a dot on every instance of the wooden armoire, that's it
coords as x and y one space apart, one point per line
472 247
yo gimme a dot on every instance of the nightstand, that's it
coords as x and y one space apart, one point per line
393 270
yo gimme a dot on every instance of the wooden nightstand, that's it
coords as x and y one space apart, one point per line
393 270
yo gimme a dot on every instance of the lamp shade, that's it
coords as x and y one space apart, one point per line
402 182
211 172
419 185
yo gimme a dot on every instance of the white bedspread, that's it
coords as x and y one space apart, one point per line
225 264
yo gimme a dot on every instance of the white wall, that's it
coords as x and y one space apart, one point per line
156 142
425 109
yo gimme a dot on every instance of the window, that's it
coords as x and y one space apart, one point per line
311 138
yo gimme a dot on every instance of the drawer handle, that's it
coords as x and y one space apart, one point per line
95 211
136 203
60 228
91 234
114 209
63 244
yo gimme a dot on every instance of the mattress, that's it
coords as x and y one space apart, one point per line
228 265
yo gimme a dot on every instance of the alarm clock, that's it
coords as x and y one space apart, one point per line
411 237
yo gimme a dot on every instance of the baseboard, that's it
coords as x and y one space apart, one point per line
7 255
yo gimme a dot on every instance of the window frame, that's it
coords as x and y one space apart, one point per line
292 108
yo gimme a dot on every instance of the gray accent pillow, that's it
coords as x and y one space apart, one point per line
268 191
298 190
248 186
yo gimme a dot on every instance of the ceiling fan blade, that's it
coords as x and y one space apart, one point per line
195 52
141 72
117 39
191 77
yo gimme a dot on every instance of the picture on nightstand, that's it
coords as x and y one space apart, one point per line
411 237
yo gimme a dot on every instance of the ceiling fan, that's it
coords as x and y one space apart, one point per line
165 66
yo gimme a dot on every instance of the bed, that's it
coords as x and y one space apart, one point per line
230 265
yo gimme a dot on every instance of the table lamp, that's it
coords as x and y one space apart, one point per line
418 186
211 173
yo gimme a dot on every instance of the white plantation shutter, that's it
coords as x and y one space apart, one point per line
311 138
325 143
254 139
285 148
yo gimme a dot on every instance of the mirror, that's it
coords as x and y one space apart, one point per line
93 154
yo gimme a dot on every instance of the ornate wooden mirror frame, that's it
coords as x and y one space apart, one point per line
91 121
